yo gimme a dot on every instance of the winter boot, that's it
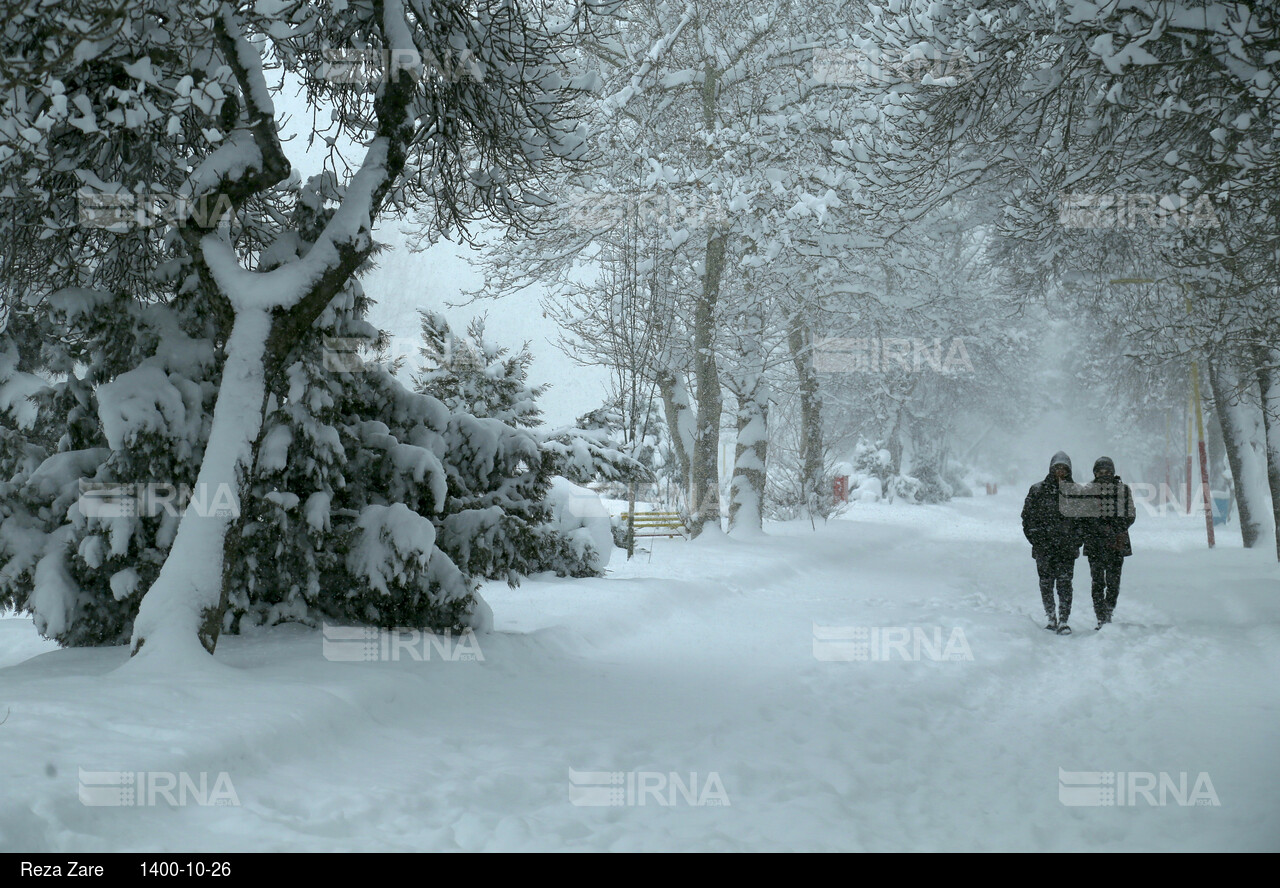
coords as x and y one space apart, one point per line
1052 626
1064 629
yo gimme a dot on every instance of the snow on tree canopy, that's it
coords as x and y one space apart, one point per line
581 516
17 389
148 400
389 537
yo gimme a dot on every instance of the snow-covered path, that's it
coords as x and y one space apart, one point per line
710 660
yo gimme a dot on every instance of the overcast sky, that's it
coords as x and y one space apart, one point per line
405 282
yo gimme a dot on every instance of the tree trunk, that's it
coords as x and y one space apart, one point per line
750 460
631 520
1235 441
704 469
800 342
681 422
633 442
746 491
894 444
182 611
1271 424
703 464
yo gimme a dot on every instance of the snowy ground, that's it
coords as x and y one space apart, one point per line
705 662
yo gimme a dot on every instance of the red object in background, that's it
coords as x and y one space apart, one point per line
991 488
840 488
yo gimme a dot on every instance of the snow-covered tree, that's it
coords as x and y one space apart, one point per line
473 375
337 519
717 126
123 105
505 514
1149 125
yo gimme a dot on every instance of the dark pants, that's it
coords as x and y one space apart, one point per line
1106 585
1056 571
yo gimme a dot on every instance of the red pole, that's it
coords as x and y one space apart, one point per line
840 488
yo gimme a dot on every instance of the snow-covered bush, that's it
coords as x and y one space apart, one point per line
337 517
872 479
367 503
904 488
926 487
872 461
581 520
932 487
648 461
500 519
869 490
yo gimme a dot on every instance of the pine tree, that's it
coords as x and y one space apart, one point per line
98 461
503 520
473 375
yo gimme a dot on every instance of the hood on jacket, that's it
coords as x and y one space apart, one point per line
1059 459
1104 462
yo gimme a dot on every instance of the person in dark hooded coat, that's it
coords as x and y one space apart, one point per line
1055 540
1106 535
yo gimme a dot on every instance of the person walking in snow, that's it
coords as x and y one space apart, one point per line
1106 534
1055 539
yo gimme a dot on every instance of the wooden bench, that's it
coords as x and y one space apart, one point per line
658 524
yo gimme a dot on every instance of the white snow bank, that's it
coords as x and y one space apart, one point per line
713 658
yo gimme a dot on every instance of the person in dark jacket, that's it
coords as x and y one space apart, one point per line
1055 539
1106 535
